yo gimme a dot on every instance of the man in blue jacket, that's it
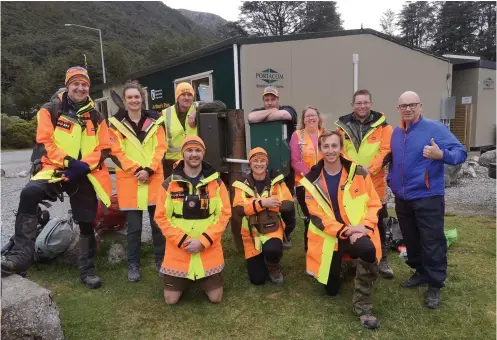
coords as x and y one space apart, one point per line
420 147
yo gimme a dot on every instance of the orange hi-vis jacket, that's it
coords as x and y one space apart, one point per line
61 136
308 154
132 155
176 198
247 202
371 150
359 205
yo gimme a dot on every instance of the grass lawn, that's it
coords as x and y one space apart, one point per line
298 310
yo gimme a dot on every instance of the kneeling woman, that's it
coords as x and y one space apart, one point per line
261 198
138 146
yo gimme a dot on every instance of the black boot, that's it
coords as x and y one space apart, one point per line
20 257
86 261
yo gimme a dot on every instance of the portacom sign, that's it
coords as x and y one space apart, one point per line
269 76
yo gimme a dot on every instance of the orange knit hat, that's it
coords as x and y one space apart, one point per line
258 153
77 73
184 88
192 142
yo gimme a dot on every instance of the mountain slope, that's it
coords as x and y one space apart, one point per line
209 20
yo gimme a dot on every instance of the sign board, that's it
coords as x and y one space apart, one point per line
488 84
466 100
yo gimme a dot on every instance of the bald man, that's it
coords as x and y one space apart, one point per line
420 148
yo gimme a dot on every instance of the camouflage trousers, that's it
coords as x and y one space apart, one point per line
366 274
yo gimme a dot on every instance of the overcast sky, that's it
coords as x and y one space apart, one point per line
353 12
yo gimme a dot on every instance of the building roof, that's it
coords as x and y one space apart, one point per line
228 43
475 64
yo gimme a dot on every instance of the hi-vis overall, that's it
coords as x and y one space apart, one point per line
84 136
247 197
181 220
359 205
175 134
130 154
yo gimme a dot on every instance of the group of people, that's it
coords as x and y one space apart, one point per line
337 176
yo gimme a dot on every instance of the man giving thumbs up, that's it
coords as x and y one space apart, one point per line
416 177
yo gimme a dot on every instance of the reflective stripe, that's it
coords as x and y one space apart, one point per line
128 134
244 187
142 196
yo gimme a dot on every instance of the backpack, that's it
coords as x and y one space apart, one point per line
55 238
393 234
112 219
215 106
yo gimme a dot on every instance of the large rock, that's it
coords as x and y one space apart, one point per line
117 253
487 158
452 174
28 311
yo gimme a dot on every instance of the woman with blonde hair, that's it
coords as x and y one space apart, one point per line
305 153
138 146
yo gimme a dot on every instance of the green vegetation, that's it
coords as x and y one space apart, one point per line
17 133
298 310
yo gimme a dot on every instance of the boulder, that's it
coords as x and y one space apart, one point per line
117 253
487 158
2 172
28 311
470 171
24 173
474 159
452 174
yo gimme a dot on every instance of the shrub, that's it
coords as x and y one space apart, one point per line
18 133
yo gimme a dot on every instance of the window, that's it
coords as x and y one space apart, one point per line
101 106
145 100
202 85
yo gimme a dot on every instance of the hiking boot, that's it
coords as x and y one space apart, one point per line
432 298
414 281
86 261
369 321
384 269
133 272
92 281
287 241
20 257
275 275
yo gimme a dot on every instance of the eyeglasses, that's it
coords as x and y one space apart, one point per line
362 103
412 106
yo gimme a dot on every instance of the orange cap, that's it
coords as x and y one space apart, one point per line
77 73
258 153
184 88
192 142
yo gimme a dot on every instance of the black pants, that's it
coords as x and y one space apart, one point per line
82 198
289 217
382 213
272 251
422 225
134 220
300 191
363 248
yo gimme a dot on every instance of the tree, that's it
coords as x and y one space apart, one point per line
265 18
321 16
231 29
416 22
162 48
485 34
387 22
455 24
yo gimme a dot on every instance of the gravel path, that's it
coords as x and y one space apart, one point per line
11 189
